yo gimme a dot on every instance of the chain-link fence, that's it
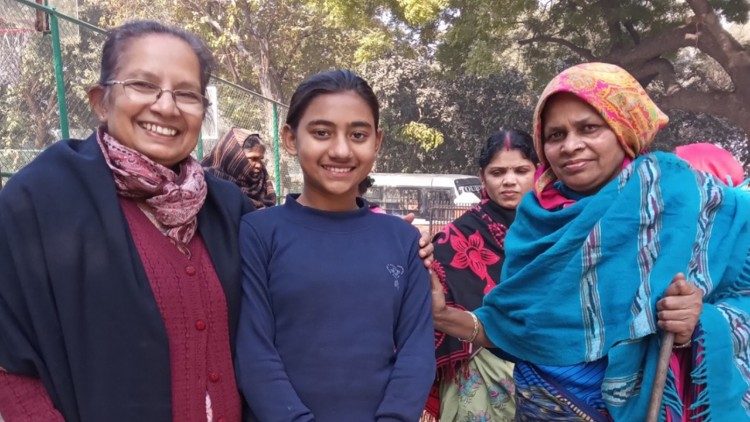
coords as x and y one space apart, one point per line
48 58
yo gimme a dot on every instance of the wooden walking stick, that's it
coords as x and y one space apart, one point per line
662 366
665 352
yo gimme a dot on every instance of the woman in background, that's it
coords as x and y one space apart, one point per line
238 157
473 383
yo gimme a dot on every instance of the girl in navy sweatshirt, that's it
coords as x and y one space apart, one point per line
335 322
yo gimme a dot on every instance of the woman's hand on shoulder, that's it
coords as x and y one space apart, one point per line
680 309
425 246
426 249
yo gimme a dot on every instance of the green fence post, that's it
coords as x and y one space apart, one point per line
199 149
276 153
62 106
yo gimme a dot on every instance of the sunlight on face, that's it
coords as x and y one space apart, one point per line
582 150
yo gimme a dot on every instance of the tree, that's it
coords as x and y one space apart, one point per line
646 38
421 103
28 104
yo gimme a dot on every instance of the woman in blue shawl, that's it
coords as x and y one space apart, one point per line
589 277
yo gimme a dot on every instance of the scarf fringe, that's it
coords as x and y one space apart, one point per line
671 398
699 376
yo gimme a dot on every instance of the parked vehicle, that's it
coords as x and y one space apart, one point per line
403 193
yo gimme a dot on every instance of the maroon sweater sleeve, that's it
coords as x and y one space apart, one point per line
25 399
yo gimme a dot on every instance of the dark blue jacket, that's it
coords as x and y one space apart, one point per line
76 308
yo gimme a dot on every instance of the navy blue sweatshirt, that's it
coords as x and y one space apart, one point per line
335 320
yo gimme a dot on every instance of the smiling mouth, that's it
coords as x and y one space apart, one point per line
339 170
575 165
159 130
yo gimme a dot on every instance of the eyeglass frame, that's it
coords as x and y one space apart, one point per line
204 101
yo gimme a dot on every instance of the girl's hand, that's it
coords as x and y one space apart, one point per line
679 309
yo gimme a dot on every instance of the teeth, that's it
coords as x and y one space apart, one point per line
338 169
161 130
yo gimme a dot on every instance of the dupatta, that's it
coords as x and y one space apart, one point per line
581 283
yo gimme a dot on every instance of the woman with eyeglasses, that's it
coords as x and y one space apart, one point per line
238 157
120 277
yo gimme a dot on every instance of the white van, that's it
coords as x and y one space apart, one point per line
402 193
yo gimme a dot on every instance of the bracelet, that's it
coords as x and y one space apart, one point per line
475 332
684 345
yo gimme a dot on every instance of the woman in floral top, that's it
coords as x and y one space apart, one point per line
472 383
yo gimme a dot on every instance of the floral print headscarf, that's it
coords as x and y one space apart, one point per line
616 95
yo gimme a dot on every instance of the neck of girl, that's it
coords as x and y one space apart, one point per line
328 202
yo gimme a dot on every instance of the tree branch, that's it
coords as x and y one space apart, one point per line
714 40
307 32
659 67
634 35
717 103
583 52
650 48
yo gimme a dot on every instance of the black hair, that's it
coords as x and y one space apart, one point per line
507 140
330 82
364 185
119 37
253 141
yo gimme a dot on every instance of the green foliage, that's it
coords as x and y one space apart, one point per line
372 46
420 12
464 108
426 137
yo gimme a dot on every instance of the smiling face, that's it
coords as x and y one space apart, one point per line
581 149
159 130
336 142
507 177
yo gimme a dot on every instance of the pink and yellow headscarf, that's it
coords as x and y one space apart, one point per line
619 99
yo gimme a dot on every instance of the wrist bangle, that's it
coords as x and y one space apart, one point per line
684 345
475 332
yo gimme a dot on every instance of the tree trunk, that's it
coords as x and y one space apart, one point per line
270 85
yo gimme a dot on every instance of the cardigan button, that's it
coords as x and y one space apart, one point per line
213 376
190 270
200 325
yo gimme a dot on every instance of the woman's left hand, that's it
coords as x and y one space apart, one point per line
680 309
426 249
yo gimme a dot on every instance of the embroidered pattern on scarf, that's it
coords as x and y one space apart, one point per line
171 199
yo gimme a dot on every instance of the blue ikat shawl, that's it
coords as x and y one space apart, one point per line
582 282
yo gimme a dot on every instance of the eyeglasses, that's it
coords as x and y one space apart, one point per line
149 93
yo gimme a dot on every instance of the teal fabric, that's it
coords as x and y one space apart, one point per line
582 282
